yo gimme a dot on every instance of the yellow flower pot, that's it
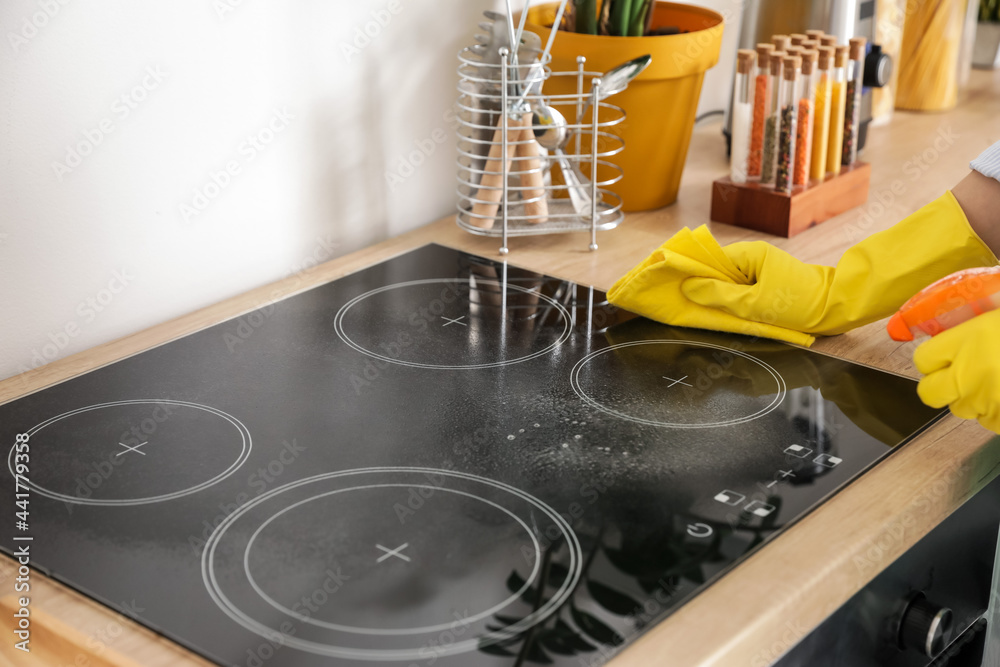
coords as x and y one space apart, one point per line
660 104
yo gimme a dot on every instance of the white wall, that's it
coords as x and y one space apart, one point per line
159 157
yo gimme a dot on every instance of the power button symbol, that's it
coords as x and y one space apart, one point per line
699 530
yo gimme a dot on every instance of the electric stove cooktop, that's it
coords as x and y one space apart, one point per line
438 460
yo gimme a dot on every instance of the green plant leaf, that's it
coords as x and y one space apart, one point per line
586 16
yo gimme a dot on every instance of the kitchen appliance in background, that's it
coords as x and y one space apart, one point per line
842 18
930 608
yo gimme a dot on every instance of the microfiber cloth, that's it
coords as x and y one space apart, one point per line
653 288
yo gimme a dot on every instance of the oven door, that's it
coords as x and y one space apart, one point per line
930 607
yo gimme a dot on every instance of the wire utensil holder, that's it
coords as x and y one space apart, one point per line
505 188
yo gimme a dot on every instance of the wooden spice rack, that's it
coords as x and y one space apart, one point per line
758 207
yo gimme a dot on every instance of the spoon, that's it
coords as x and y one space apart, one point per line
553 136
616 80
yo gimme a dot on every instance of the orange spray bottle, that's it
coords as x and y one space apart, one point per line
947 303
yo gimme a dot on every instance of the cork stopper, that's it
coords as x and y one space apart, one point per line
828 40
825 59
857 46
781 42
814 34
776 62
794 51
798 38
764 54
809 62
745 60
840 56
811 44
791 66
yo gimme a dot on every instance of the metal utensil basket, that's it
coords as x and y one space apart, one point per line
511 207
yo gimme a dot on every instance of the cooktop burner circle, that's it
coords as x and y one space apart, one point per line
692 384
393 564
454 324
164 445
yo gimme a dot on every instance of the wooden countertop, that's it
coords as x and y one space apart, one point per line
760 609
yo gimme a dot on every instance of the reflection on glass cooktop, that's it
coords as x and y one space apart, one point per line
438 460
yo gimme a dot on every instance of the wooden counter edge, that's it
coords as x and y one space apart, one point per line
746 619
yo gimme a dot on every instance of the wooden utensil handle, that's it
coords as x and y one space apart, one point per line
531 177
490 190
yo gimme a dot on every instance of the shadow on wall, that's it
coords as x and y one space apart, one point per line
384 150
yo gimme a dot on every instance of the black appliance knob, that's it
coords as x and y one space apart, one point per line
878 68
925 627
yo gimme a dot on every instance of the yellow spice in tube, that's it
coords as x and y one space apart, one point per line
835 144
821 131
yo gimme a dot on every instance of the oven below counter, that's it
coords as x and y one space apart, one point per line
929 608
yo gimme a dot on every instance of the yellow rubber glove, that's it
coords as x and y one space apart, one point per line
653 288
962 369
871 281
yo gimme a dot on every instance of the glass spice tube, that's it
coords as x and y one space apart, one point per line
761 95
788 97
804 129
743 97
838 97
821 117
852 110
772 119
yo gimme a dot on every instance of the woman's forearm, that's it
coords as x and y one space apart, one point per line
979 197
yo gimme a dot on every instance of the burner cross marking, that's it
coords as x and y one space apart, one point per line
681 381
393 552
454 321
131 449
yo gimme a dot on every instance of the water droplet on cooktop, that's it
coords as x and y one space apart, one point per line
677 384
520 430
537 425
577 436
511 436
565 445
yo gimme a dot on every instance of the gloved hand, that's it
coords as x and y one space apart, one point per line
962 369
653 288
871 280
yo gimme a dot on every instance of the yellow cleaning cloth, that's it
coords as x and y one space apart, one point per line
653 288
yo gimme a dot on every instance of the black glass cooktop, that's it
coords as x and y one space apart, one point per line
438 460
